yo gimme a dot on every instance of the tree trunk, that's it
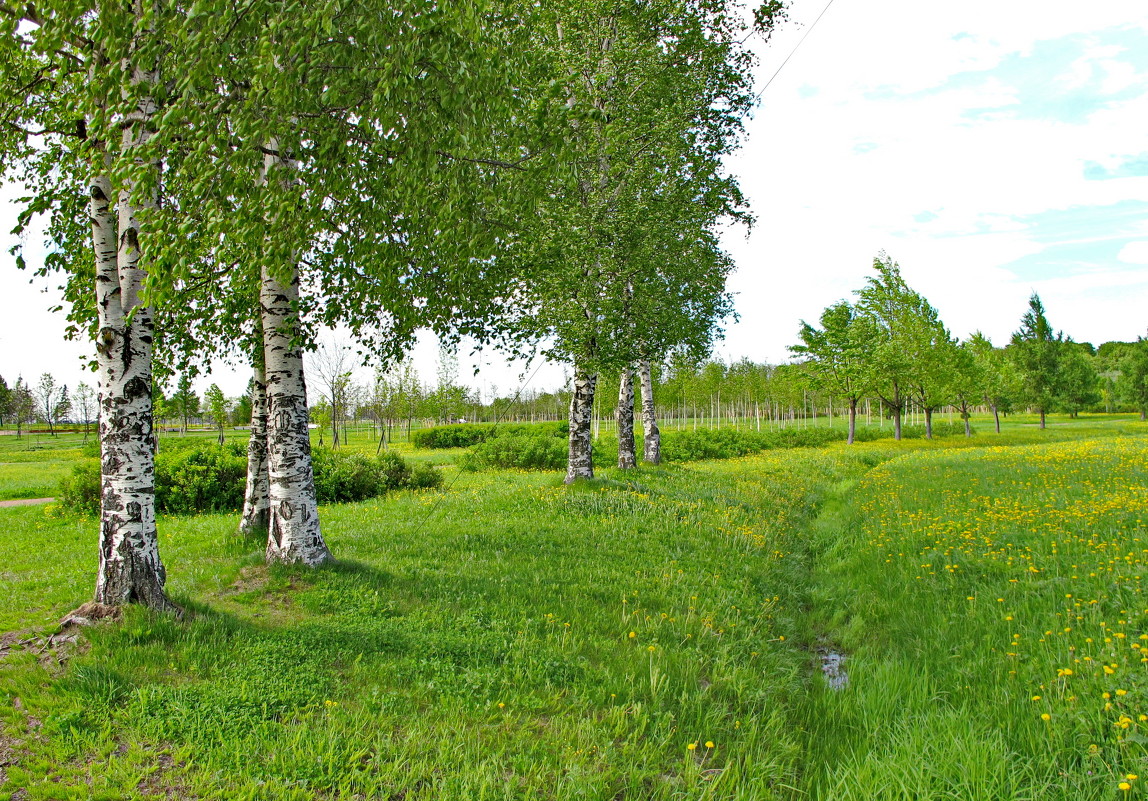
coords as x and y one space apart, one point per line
652 447
852 421
965 415
1042 423
580 459
293 525
997 418
627 458
130 569
257 500
928 423
897 423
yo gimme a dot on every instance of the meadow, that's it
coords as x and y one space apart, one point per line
658 633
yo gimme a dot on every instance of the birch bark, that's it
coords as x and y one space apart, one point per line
256 518
130 569
651 434
627 459
580 462
293 522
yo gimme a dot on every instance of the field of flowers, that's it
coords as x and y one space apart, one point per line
994 601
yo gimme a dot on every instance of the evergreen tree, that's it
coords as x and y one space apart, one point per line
1036 352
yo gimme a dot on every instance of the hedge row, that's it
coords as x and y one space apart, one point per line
533 452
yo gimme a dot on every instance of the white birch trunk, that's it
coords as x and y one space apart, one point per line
130 569
627 458
257 499
293 525
580 459
652 436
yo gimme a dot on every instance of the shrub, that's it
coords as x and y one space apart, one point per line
425 476
464 435
209 478
81 489
524 451
201 479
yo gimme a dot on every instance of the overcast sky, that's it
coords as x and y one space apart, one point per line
992 148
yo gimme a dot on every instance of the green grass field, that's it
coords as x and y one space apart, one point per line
657 634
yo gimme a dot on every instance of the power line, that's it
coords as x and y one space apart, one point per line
808 31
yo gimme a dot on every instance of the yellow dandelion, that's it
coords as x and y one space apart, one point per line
1045 716
692 746
709 744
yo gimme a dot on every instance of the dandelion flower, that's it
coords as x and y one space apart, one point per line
1045 716
692 746
709 744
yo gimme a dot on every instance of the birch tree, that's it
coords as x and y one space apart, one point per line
217 408
48 395
657 94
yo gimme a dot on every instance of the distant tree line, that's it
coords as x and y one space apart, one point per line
891 345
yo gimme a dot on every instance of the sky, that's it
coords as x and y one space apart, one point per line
993 149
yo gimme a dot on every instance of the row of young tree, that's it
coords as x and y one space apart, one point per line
47 402
222 177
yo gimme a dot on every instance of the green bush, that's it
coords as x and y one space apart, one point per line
425 476
210 478
200 479
81 490
464 435
524 451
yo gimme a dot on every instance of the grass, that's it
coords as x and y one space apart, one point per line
992 601
513 638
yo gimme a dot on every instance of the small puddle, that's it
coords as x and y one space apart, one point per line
833 669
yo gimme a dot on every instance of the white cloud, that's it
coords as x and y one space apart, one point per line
1134 253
